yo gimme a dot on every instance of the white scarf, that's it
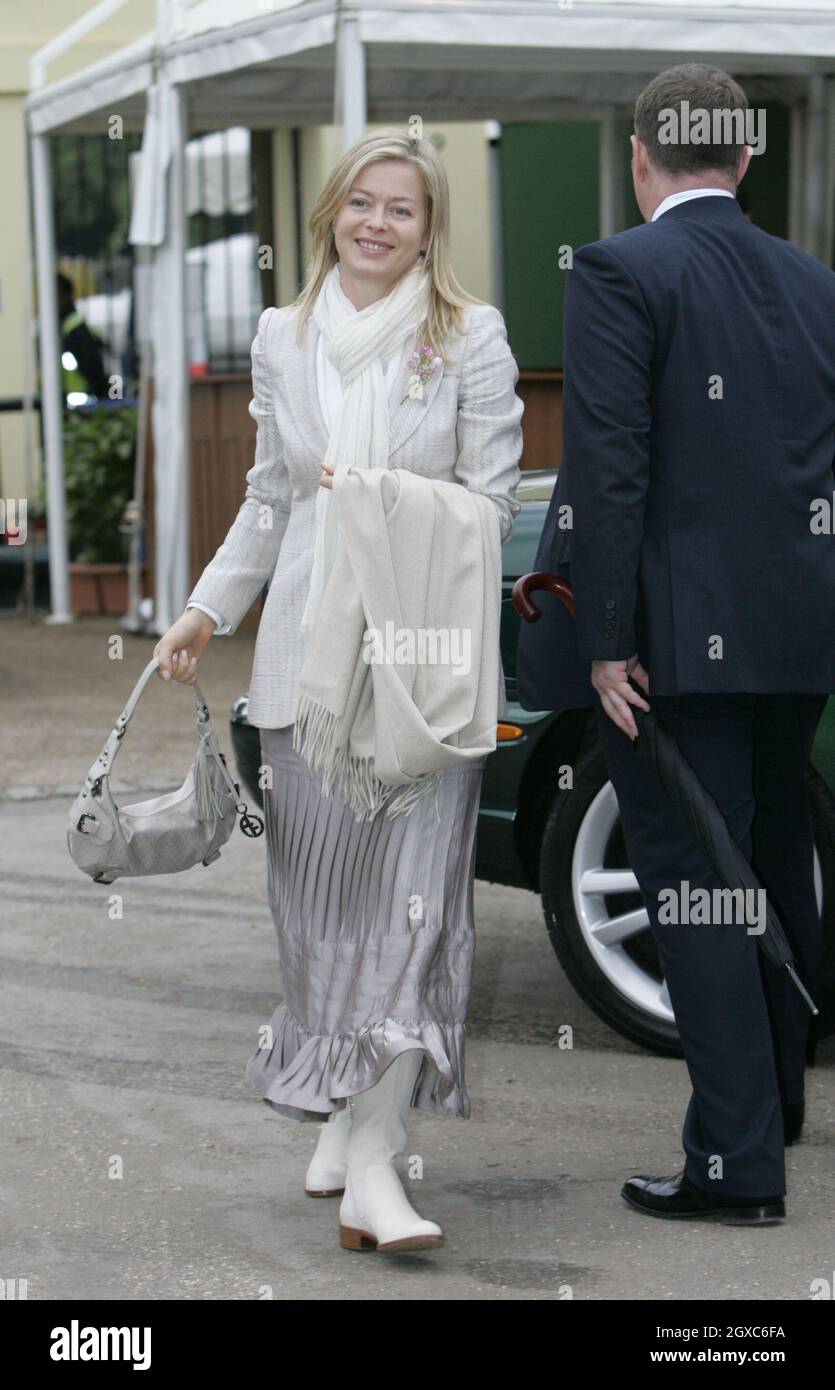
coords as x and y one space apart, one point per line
356 342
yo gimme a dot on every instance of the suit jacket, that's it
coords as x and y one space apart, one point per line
699 446
466 429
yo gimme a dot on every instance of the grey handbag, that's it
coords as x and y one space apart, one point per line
168 833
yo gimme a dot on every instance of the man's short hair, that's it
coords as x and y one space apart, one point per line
704 88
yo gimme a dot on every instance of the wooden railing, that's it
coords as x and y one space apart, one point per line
542 420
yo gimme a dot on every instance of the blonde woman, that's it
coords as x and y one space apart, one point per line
383 358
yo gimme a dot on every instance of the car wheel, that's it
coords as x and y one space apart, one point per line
597 921
595 914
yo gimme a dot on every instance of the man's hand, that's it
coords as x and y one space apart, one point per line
609 679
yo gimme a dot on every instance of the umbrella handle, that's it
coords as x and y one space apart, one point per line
528 584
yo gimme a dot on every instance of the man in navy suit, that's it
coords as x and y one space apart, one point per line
694 517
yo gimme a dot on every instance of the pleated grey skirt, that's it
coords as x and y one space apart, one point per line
376 936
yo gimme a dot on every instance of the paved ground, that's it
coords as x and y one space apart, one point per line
123 1043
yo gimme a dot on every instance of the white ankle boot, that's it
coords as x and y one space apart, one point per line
325 1175
375 1213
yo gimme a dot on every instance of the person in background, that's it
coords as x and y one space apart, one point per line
82 367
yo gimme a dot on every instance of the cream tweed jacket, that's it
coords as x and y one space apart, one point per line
467 429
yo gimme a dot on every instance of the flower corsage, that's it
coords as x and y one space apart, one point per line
421 365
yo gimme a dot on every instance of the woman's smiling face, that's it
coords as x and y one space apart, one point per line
381 227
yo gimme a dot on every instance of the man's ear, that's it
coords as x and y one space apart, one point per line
744 160
640 157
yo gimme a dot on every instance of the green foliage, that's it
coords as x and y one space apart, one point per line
92 194
99 449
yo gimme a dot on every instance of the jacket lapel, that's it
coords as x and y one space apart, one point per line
405 414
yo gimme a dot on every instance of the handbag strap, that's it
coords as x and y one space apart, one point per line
133 698
103 765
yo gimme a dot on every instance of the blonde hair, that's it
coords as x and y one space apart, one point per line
447 298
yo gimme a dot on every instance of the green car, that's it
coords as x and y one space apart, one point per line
567 845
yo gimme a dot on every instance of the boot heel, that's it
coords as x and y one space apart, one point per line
351 1239
769 1214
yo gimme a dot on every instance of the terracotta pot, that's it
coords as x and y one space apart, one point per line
98 588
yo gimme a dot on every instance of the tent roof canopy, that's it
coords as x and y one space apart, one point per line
454 59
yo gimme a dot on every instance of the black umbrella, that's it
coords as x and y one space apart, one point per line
691 799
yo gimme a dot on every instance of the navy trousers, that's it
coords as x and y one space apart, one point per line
742 1024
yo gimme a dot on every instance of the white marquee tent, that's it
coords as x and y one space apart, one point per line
297 62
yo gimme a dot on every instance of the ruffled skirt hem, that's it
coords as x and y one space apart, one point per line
305 1075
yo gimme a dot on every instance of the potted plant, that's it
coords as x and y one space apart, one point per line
99 451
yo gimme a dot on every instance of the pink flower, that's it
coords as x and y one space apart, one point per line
422 364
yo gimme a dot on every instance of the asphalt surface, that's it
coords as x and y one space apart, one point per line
137 1162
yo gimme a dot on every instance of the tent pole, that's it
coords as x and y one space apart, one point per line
829 177
172 568
815 166
179 223
797 174
64 40
31 446
493 135
350 103
52 405
611 174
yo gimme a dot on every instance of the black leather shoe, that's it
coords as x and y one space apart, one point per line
678 1199
793 1117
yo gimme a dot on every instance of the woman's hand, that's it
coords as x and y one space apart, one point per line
327 474
182 646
